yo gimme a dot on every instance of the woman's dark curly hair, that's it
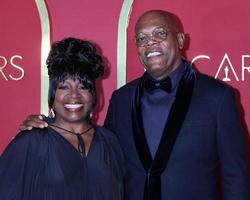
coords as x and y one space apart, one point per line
73 58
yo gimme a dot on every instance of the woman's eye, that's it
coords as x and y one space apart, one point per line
83 88
63 87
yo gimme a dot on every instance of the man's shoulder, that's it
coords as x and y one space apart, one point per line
128 88
209 85
130 84
204 80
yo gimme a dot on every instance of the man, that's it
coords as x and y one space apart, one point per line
178 128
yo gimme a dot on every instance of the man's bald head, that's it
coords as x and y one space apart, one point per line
171 20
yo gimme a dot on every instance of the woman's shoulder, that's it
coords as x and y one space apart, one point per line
33 140
34 134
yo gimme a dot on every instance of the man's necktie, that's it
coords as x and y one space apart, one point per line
151 85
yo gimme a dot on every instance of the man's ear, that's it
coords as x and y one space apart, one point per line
181 40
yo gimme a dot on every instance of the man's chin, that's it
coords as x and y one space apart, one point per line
157 75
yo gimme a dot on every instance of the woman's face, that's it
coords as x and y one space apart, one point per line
72 102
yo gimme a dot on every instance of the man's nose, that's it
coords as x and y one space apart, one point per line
151 40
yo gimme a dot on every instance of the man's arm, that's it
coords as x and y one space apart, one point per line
109 120
232 150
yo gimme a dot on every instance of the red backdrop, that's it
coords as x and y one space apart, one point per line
218 30
20 46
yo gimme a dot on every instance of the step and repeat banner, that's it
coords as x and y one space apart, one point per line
218 35
20 64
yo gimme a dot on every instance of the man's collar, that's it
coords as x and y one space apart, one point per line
174 76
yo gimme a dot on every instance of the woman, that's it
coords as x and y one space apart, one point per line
71 159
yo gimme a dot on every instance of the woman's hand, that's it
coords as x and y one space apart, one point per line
31 121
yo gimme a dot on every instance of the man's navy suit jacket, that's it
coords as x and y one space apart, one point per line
210 140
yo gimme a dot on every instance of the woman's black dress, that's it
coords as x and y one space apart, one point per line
43 165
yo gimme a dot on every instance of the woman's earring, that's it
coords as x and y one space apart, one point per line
52 113
89 118
91 115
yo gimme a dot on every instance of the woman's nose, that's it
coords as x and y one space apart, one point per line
74 92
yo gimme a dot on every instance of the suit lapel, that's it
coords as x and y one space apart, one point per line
175 119
138 130
155 167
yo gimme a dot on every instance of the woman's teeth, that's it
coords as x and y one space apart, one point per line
73 106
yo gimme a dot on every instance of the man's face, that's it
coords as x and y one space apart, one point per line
158 44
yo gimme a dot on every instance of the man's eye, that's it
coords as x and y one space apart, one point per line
140 39
162 33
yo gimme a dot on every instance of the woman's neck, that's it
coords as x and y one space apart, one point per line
76 127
